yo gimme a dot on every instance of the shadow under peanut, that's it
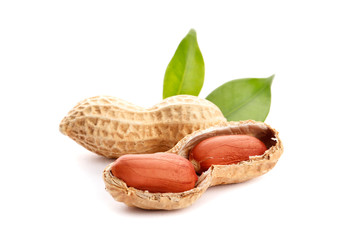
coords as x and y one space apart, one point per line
218 191
152 213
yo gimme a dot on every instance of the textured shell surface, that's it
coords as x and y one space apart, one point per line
216 175
112 127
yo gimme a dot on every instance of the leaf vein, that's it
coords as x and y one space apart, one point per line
187 63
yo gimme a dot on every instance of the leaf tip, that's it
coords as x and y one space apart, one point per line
271 78
192 32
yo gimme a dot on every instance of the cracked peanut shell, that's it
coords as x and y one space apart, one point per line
215 175
244 170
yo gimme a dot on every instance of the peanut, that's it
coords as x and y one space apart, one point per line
112 127
216 175
225 150
159 172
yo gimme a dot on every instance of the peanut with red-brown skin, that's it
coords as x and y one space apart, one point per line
225 150
158 172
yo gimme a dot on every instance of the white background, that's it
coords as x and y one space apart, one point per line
56 53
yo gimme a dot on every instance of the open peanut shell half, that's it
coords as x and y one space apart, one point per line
147 200
215 175
244 170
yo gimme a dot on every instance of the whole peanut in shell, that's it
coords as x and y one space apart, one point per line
157 172
112 127
225 150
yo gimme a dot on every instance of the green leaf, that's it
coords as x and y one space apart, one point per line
186 71
244 99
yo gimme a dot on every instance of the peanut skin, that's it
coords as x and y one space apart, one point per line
159 172
225 150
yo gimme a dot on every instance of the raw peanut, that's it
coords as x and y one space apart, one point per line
112 127
225 150
257 165
159 172
216 175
